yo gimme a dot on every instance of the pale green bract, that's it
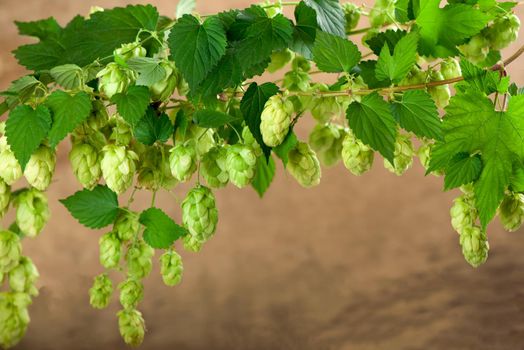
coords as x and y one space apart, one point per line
14 317
304 166
275 120
132 326
118 167
171 268
131 293
241 161
10 251
5 197
41 167
22 278
511 211
126 225
85 161
182 161
114 79
110 250
214 167
101 291
357 157
475 245
32 211
138 259
403 156
199 213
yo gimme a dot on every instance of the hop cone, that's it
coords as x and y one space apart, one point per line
171 268
296 80
155 170
241 163
110 250
126 225
131 293
352 14
279 59
403 156
85 162
121 132
326 140
192 244
511 211
138 260
40 168
132 326
304 166
441 93
10 171
213 167
5 197
249 140
114 79
182 162
475 245
130 50
275 120
450 68
32 212
22 278
503 32
10 251
463 213
14 318
382 13
476 50
100 292
324 108
118 167
357 157
200 139
199 213
163 89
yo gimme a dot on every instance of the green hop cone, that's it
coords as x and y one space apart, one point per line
32 211
22 278
382 13
300 63
463 213
128 51
121 132
213 167
138 258
296 80
357 157
191 244
131 293
40 168
403 156
249 140
241 163
511 211
85 161
110 250
126 225
503 31
202 140
199 213
304 166
475 245
424 155
327 140
118 167
101 291
132 326
352 14
155 171
441 94
171 268
450 68
415 76
476 49
279 59
164 89
14 318
275 120
114 79
10 171
5 197
182 161
324 108
10 251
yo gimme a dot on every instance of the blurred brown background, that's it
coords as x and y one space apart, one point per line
355 263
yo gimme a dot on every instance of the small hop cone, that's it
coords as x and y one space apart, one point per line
296 80
110 250
191 244
40 168
213 167
22 278
199 213
475 245
352 14
132 326
304 166
200 139
32 212
511 211
10 251
10 171
503 31
114 79
249 140
139 260
121 132
279 59
441 94
118 167
131 293
171 268
327 140
324 108
101 291
463 213
165 88
85 161
382 13
357 157
155 170
450 68
14 318
476 50
5 197
126 225
241 163
275 120
403 156
182 162
128 51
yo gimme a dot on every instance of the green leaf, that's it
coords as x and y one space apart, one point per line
462 169
149 70
517 178
366 70
185 7
42 29
289 144
483 80
132 105
330 16
207 118
416 112
264 174
3 108
372 122
153 128
227 73
161 231
95 208
305 30
390 38
68 76
26 128
333 54
395 67
69 111
252 105
196 48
